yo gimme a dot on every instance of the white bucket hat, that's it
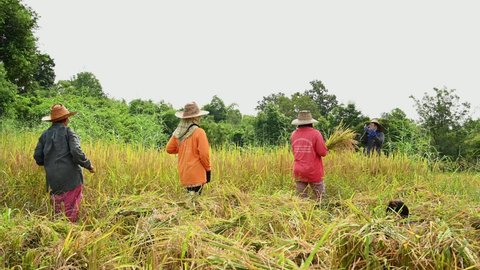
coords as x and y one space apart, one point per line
304 118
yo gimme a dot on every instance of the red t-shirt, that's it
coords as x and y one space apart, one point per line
308 149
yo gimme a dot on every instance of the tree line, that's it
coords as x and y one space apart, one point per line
28 88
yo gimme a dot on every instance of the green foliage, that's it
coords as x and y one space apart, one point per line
83 84
26 67
234 116
244 134
302 102
216 109
443 110
319 94
138 106
29 109
218 133
7 92
98 118
282 101
272 126
445 126
223 123
111 119
87 85
472 140
443 115
316 100
404 136
169 120
62 87
45 74
348 116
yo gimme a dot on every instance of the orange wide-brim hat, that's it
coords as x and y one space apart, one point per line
58 112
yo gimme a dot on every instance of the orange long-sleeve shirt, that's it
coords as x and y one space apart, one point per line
193 157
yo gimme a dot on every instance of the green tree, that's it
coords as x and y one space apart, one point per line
403 135
302 102
319 94
7 92
29 109
138 106
349 116
442 114
86 84
62 87
316 100
169 120
216 109
234 116
25 66
83 84
472 140
244 134
218 133
45 74
271 126
283 102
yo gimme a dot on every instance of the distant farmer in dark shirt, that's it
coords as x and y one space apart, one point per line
373 137
58 150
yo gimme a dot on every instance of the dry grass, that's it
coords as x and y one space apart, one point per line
135 215
342 139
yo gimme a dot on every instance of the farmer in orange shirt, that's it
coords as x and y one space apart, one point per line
190 142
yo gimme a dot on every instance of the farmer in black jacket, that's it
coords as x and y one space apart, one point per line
58 150
373 137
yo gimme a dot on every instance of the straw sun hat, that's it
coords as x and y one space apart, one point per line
304 118
375 121
190 110
58 112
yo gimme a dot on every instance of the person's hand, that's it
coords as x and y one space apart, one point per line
209 175
92 169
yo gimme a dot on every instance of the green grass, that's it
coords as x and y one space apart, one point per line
135 215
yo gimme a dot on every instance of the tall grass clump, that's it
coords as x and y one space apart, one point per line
135 215
342 139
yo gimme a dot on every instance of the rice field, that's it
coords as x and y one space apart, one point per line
135 215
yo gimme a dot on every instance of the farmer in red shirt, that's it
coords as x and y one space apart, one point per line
308 149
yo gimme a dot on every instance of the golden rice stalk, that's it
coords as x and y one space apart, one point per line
342 139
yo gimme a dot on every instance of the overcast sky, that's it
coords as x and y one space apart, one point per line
372 53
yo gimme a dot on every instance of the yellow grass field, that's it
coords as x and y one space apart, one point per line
135 215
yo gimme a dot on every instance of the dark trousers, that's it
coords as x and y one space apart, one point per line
371 147
197 189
